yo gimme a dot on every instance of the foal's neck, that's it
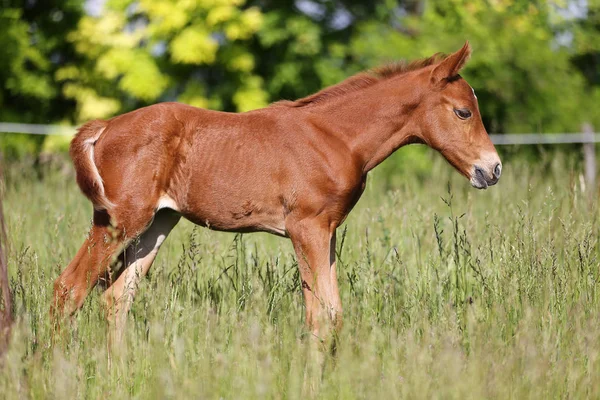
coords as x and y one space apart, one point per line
374 122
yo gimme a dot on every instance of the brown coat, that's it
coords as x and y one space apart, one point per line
295 169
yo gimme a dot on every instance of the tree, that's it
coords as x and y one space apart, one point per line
32 39
534 66
140 52
232 55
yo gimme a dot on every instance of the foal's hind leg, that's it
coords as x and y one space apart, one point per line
138 259
92 261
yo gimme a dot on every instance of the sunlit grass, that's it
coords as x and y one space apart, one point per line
447 293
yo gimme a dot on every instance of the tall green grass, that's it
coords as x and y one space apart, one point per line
448 292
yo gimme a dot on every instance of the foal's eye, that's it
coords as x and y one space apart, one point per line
462 113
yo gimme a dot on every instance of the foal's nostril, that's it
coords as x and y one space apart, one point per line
497 170
479 173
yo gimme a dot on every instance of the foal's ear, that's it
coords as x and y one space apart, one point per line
450 66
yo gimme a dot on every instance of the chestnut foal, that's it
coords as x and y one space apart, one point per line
294 169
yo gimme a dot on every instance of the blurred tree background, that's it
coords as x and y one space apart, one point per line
535 66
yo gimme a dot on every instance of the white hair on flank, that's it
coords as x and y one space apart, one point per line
105 204
165 201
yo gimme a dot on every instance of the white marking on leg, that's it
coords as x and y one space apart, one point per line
139 258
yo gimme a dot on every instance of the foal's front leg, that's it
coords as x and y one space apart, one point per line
314 243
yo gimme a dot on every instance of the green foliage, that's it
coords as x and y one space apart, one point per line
33 45
535 65
166 49
23 67
467 294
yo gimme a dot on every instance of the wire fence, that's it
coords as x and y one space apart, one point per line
36 129
587 137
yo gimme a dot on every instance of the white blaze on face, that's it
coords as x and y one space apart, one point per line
474 93
488 160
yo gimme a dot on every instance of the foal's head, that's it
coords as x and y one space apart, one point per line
450 121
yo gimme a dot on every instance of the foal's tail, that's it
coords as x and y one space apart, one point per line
82 153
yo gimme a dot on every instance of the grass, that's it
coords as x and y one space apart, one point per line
447 293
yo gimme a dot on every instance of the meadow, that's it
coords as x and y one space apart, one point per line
448 292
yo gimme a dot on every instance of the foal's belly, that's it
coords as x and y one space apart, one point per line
231 183
248 224
233 214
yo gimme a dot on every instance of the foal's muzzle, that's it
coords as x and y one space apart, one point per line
481 178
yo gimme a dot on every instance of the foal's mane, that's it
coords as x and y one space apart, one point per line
362 80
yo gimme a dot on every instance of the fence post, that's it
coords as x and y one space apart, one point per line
589 156
6 317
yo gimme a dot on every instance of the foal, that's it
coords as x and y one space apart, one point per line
294 169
